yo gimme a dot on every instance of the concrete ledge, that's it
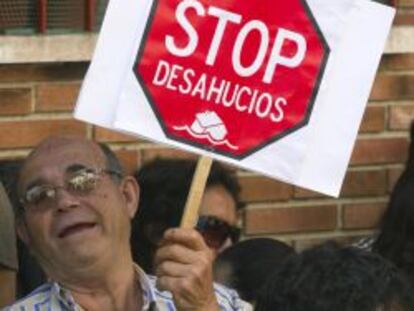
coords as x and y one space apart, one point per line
400 40
53 48
79 47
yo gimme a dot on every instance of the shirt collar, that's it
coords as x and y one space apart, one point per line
146 286
65 297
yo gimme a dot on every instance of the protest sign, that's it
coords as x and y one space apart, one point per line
277 87
196 98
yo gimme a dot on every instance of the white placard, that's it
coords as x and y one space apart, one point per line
316 155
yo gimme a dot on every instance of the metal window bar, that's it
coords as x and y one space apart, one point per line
42 16
90 16
76 14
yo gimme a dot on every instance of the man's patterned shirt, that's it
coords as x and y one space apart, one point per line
52 297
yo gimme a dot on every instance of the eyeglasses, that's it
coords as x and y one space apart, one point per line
81 182
215 231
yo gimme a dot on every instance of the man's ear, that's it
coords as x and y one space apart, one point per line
21 230
130 190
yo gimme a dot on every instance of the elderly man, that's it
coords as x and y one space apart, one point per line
75 211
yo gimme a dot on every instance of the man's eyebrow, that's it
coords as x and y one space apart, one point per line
75 167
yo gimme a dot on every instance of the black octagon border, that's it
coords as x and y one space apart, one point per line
269 141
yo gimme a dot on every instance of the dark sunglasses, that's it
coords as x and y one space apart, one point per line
215 231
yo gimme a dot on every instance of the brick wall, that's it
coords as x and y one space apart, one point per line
36 100
405 14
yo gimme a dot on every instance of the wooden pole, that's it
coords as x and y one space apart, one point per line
195 195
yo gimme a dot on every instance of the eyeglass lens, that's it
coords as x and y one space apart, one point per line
81 182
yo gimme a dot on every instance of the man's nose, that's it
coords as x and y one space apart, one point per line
65 199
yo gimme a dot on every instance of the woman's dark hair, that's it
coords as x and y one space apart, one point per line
396 233
245 265
164 187
334 278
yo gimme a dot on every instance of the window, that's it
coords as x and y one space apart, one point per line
50 16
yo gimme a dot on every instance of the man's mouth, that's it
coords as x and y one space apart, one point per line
76 228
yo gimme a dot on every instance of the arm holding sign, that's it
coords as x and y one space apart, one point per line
184 267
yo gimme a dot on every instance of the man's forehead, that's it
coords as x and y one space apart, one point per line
57 142
61 152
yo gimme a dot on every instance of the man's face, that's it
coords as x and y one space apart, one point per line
72 230
218 202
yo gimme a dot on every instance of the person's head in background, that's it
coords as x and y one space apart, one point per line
165 184
245 266
395 240
29 275
329 277
8 173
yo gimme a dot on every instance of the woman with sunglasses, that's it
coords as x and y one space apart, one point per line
164 187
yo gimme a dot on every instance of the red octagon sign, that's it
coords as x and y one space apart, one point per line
231 76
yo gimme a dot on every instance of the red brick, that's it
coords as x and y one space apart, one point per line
166 153
365 183
404 3
17 134
404 18
42 72
362 215
374 119
130 160
14 101
104 135
260 189
302 193
301 245
291 219
56 97
392 86
380 151
401 116
397 62
393 175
